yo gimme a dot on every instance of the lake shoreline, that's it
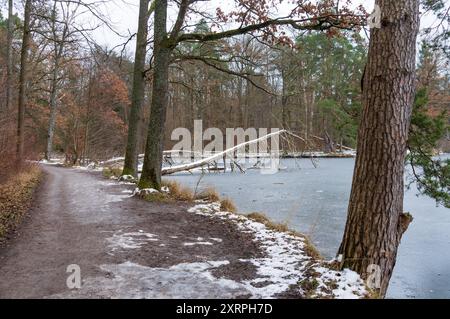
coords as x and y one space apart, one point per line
313 201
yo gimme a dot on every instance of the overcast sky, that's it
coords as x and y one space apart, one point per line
123 15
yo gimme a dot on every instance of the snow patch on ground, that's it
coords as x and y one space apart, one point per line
145 191
95 196
130 240
346 283
132 281
90 167
52 161
107 183
127 183
286 263
127 178
165 189
205 243
205 209
199 241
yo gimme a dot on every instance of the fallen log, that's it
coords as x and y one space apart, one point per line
229 153
206 161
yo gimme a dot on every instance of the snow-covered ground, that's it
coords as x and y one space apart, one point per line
286 264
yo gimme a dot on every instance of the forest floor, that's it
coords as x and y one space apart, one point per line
126 247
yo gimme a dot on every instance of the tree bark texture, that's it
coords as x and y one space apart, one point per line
138 92
151 171
376 220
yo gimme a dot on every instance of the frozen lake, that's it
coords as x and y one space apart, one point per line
314 201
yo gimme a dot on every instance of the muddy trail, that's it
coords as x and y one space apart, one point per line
88 237
124 247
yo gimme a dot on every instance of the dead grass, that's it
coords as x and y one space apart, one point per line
227 205
178 192
209 194
309 248
157 197
372 294
15 198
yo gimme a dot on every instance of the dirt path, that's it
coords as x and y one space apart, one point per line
125 247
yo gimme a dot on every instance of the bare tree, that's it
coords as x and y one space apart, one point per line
23 80
60 35
9 55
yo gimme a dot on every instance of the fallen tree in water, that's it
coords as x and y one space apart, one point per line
219 155
210 160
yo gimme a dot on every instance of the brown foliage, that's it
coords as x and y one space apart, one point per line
208 194
8 163
178 192
227 205
15 198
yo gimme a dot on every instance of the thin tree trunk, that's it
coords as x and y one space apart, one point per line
240 104
151 172
138 92
88 117
284 101
312 102
376 220
58 52
52 120
9 56
22 81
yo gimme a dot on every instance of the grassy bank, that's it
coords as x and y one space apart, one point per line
15 198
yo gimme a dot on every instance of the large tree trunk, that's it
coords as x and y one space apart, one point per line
138 93
22 81
9 56
151 172
375 216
